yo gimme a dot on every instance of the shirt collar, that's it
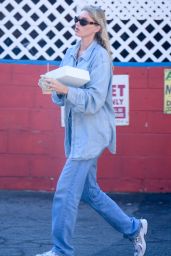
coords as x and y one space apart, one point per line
86 55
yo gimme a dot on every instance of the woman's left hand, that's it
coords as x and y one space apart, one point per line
56 85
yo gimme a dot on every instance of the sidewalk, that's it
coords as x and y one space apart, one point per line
25 225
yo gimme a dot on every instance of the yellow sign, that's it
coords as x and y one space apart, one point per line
167 91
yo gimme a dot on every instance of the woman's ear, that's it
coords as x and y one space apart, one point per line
98 28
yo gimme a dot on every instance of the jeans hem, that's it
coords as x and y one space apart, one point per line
131 237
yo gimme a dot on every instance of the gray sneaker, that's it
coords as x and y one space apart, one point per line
50 253
139 241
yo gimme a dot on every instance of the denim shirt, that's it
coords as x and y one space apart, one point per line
89 108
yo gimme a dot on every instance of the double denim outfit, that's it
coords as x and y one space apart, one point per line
93 127
89 129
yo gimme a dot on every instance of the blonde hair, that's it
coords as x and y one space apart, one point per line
98 15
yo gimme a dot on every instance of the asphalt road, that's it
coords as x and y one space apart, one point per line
25 225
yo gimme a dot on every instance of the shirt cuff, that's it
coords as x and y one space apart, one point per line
57 98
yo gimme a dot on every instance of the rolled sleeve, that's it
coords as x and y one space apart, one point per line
58 98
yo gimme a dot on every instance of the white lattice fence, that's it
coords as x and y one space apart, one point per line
140 30
40 29
36 29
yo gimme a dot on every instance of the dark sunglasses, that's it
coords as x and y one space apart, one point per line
83 22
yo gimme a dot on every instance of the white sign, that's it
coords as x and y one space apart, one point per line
120 97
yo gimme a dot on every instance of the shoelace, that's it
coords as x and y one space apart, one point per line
138 240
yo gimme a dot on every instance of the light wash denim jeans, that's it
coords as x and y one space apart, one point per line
78 179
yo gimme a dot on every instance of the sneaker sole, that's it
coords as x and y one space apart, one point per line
144 224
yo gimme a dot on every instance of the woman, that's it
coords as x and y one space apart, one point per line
89 129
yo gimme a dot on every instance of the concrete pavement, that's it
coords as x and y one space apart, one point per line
25 225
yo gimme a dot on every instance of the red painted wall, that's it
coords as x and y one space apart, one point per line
31 138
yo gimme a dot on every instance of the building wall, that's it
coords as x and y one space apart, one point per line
31 136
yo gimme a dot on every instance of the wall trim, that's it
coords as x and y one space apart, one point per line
57 63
